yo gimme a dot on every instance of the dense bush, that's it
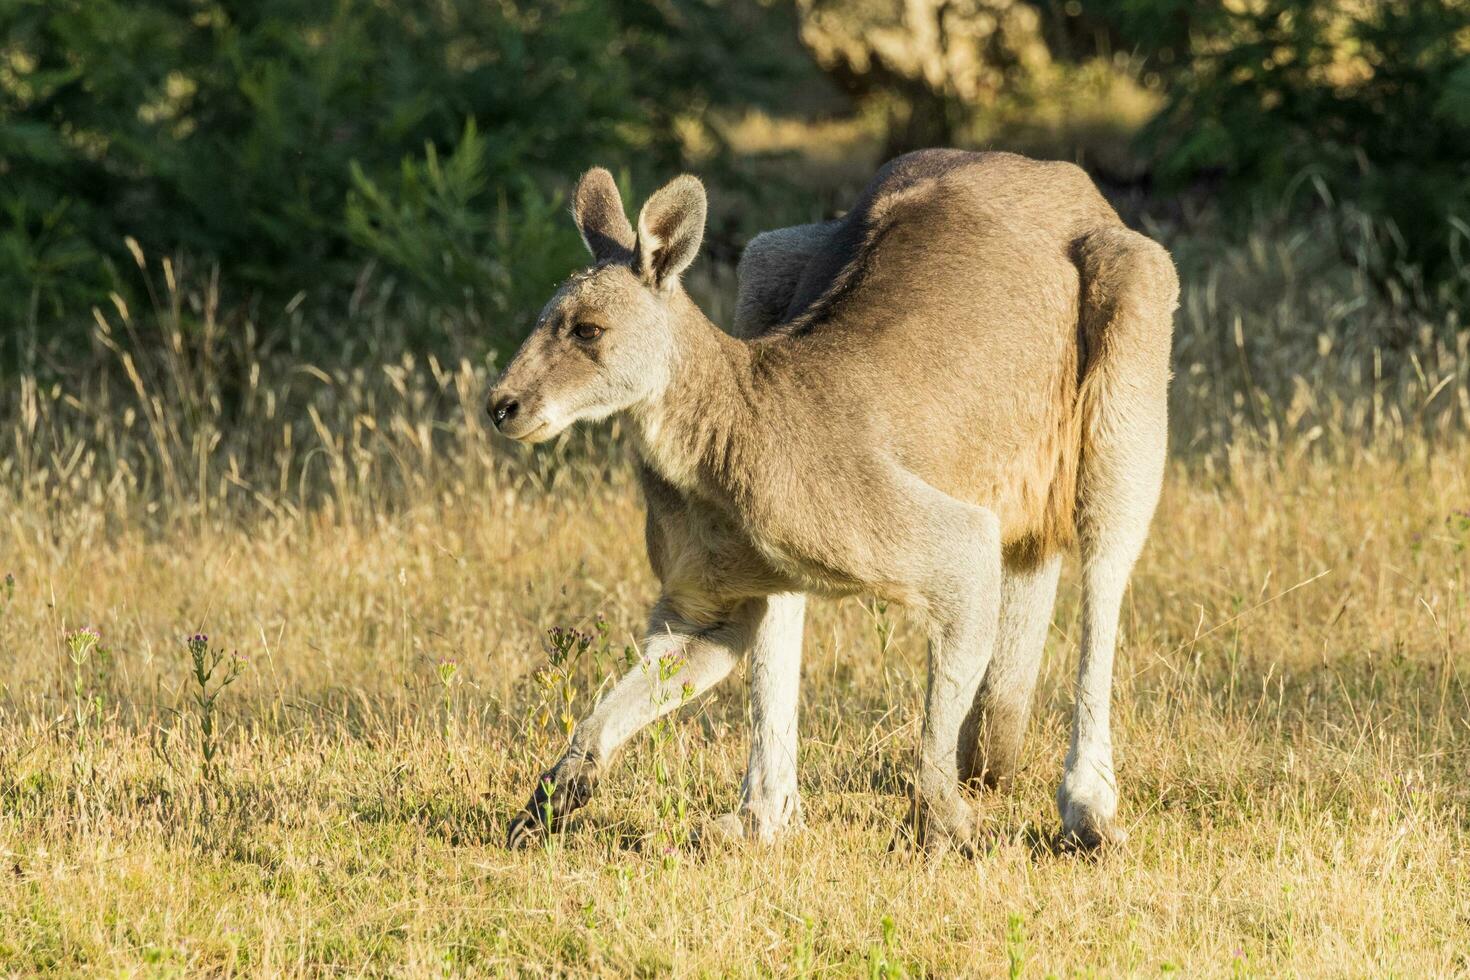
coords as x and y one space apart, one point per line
293 140
297 143
1369 103
228 130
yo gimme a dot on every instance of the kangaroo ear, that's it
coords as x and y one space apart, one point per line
670 227
597 208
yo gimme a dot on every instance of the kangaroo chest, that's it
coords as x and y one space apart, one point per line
704 560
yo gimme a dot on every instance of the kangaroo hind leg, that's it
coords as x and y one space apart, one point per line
990 741
1130 291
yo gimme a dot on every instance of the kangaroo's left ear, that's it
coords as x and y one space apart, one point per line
597 208
670 228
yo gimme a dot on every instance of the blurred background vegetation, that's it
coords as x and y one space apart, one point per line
315 169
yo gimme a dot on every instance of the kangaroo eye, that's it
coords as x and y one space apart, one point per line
587 331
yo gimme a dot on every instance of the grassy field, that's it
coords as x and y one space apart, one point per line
377 576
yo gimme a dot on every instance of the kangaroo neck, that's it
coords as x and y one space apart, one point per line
692 433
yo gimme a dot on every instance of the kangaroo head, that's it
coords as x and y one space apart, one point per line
607 339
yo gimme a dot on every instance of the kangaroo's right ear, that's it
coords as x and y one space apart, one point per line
597 208
670 228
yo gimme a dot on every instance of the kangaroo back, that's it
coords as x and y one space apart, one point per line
1111 291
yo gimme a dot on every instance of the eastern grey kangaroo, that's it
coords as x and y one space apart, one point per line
928 399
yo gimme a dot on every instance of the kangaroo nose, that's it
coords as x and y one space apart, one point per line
503 409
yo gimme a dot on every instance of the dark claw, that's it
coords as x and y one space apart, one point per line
559 793
921 834
1091 837
523 831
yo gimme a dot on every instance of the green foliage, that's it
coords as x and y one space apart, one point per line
212 671
491 254
294 141
300 143
272 137
1371 101
696 57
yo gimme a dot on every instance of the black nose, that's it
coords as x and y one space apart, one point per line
503 409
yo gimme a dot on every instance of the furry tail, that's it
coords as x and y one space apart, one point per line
1128 292
1124 333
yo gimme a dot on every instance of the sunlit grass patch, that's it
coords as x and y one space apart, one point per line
1290 708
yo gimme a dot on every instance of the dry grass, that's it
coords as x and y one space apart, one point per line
1291 721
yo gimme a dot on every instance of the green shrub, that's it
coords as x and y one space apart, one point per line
292 141
487 265
234 132
1368 102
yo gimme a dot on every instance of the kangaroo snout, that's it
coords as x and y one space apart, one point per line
521 416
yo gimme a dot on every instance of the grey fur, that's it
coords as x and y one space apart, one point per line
966 372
